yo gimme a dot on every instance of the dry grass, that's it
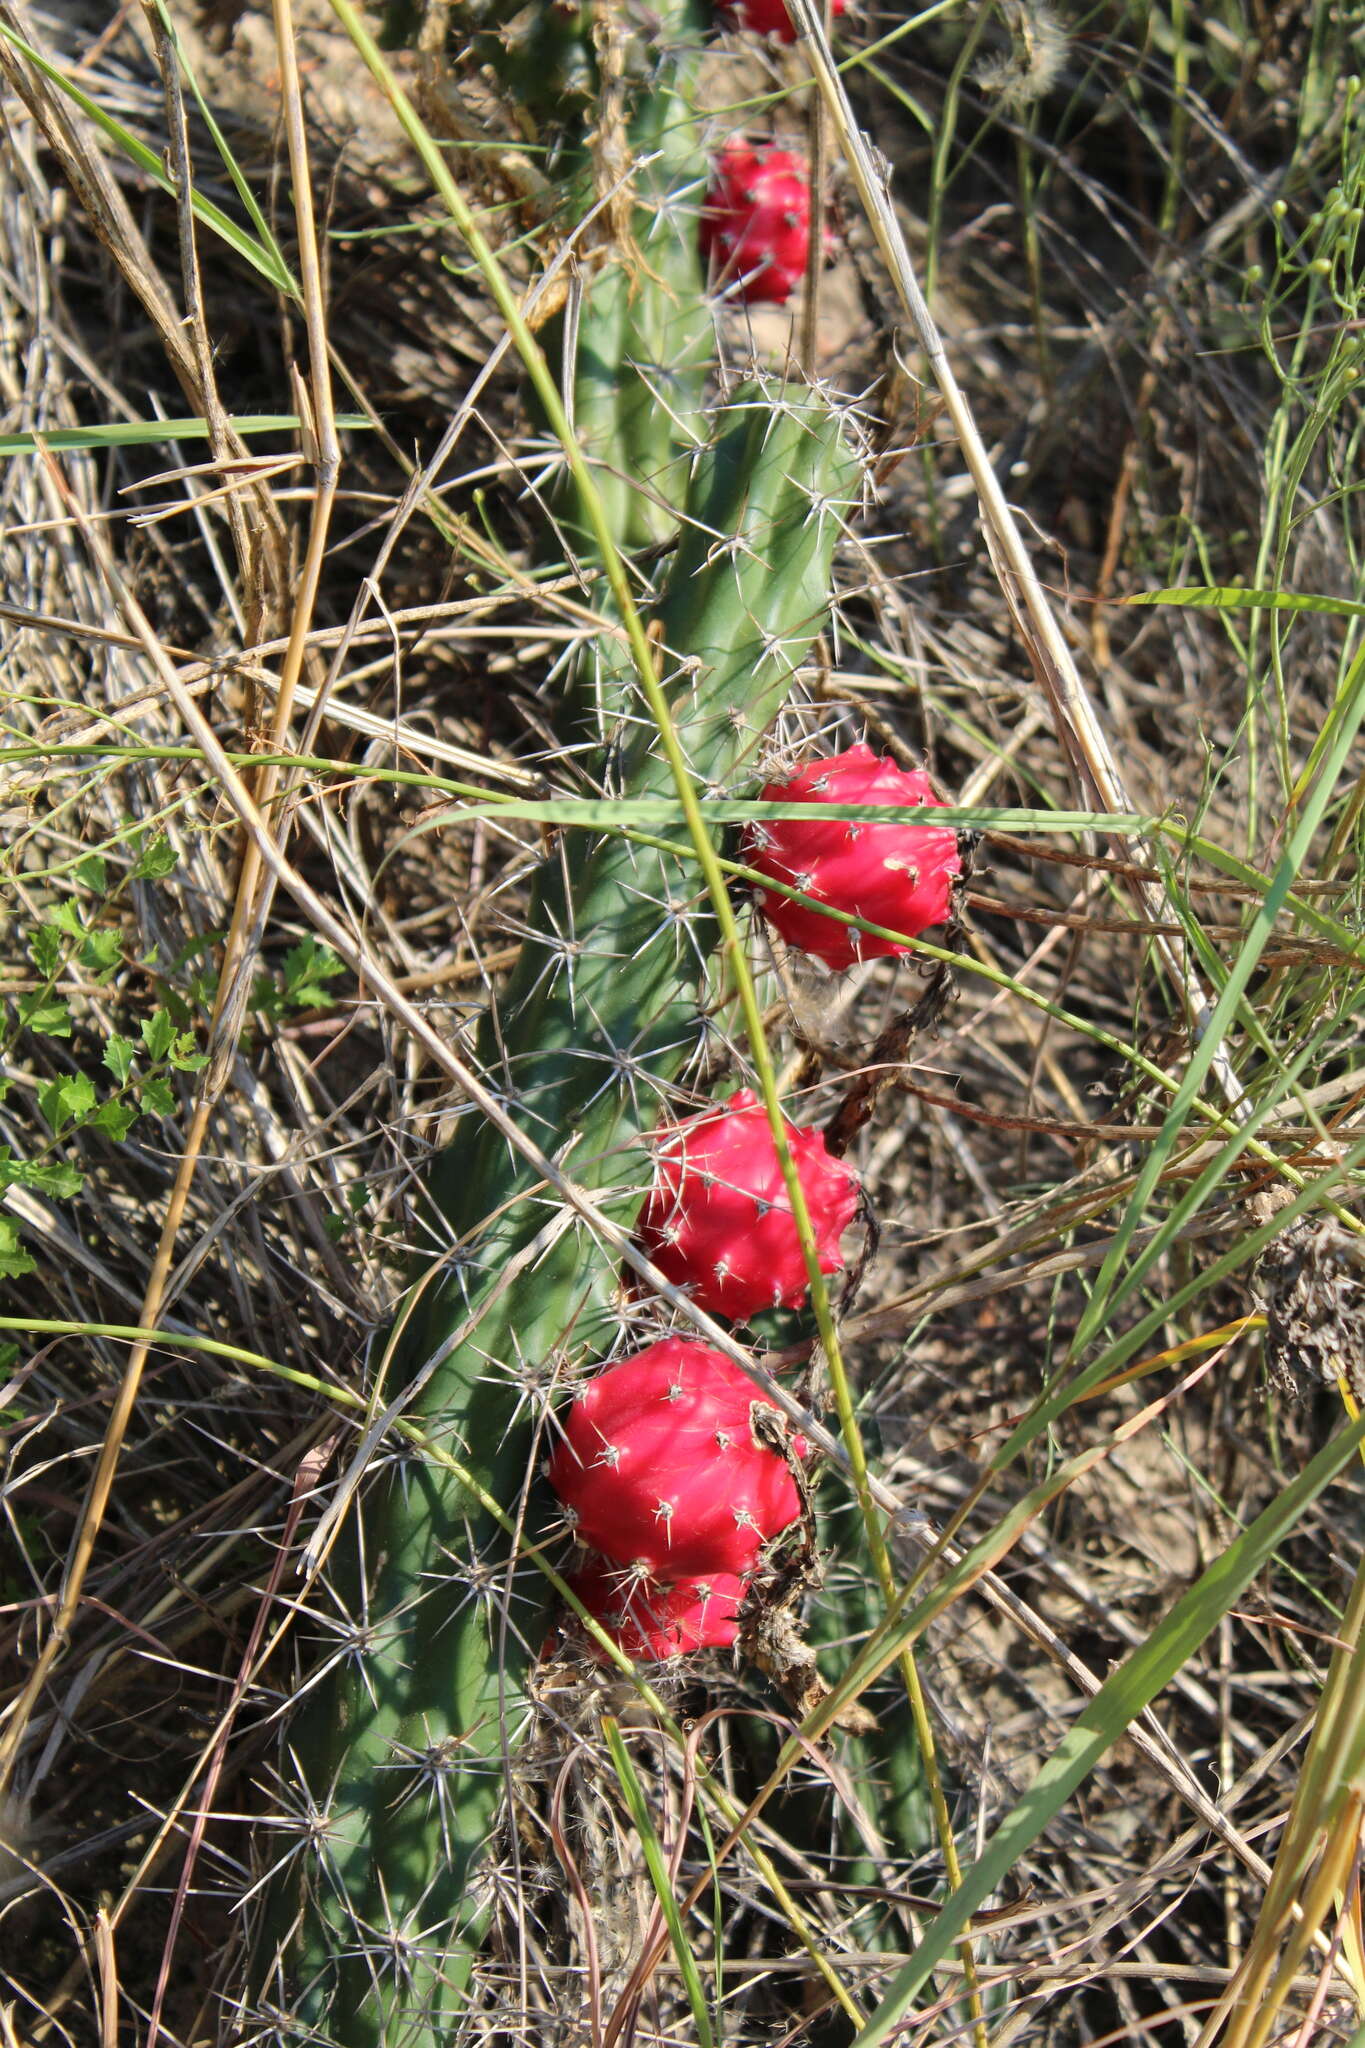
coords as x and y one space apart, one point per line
1089 251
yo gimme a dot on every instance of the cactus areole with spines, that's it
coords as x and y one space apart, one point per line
900 876
719 1219
655 1619
755 224
659 1466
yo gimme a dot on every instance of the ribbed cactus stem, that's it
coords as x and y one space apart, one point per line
644 339
400 1759
402 1748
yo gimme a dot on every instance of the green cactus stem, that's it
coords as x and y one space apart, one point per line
644 342
402 1748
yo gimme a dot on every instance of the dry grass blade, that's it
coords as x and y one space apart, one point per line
260 537
238 952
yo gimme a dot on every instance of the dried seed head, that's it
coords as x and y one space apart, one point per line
687 1489
900 876
719 1222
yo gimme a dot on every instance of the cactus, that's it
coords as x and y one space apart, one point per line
654 1620
718 1220
401 1749
900 876
755 226
659 1465
397 1762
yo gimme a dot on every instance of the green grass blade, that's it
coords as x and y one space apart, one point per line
1123 1696
1117 1354
1215 1174
147 433
220 143
652 1850
1232 597
266 260
1350 714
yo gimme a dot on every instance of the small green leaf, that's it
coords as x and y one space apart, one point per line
54 1177
45 949
102 950
308 967
46 1014
156 859
118 1057
158 1033
157 1095
335 1226
114 1118
14 1260
67 918
9 1355
183 1056
92 873
266 998
204 943
69 1099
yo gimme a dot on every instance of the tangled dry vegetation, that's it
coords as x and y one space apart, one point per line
1116 219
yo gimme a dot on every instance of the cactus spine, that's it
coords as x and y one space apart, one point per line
401 1751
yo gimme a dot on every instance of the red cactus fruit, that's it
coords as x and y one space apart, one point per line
770 18
718 1220
755 225
659 1465
900 876
654 1619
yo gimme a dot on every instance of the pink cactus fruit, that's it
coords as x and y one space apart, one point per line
770 18
659 1466
755 225
900 876
718 1220
655 1619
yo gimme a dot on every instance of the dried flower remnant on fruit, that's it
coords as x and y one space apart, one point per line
755 225
770 18
654 1619
900 876
659 1466
719 1220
